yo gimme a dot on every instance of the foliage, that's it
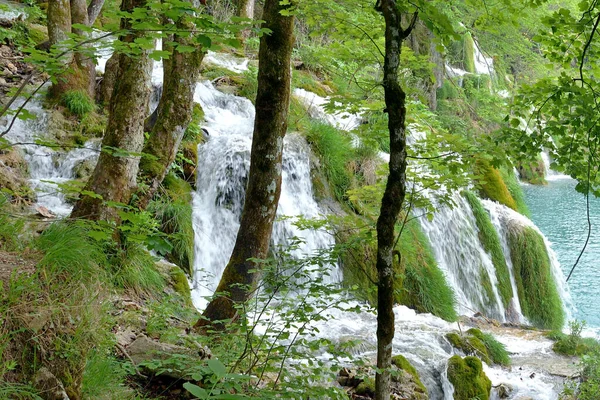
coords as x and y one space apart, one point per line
488 236
573 344
533 171
467 377
538 294
10 228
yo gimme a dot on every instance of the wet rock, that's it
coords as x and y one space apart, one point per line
503 391
125 336
49 385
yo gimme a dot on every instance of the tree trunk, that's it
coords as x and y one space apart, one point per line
245 9
109 79
82 62
393 197
59 21
264 181
93 10
114 177
174 114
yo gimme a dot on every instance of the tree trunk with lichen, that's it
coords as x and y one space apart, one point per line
109 79
393 197
115 175
94 10
82 60
264 181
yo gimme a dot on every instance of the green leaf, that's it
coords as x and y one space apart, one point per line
195 390
217 367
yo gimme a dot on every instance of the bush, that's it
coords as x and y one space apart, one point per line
573 344
78 102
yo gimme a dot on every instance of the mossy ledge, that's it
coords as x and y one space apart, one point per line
538 293
491 243
492 186
479 344
469 380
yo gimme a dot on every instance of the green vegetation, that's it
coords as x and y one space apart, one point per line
538 294
468 53
492 185
573 344
533 171
514 187
420 284
491 243
78 103
469 380
479 344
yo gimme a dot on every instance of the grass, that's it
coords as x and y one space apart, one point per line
538 294
573 344
496 350
513 186
335 151
10 228
134 268
491 243
78 102
104 377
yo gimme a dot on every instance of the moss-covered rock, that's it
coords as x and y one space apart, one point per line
469 380
400 362
469 53
13 176
515 189
469 345
538 293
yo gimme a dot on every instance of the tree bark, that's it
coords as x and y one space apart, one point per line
93 10
393 197
264 181
114 177
174 113
109 79
82 61
59 21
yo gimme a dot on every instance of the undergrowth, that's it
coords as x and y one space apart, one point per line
78 102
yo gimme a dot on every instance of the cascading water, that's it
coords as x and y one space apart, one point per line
222 175
453 235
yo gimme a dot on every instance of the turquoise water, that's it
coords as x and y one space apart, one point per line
560 213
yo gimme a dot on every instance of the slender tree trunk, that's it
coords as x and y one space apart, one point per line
181 72
93 10
114 177
82 62
393 197
245 9
264 181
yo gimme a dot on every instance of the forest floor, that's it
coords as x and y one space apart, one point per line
13 263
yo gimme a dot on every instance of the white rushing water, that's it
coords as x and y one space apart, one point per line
222 178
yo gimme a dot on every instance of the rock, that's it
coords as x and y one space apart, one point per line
84 169
11 67
3 82
44 212
503 391
49 386
468 378
144 350
125 336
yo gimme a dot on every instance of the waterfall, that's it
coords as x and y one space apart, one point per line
453 235
222 175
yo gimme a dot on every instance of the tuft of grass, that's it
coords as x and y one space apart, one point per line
175 219
510 179
78 102
538 294
68 251
10 228
334 148
491 243
104 378
134 268
492 185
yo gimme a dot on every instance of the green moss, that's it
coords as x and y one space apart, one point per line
366 387
515 189
491 243
403 364
492 185
469 380
533 172
469 53
420 284
78 102
448 90
307 81
496 350
538 294
335 151
470 345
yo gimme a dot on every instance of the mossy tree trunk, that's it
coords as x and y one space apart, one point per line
174 114
107 85
264 181
393 197
80 72
115 175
